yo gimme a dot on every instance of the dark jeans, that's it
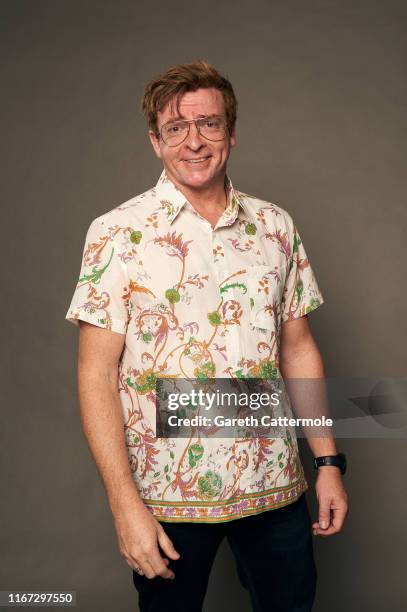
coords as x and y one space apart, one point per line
274 558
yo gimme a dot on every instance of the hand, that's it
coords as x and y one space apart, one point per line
332 501
138 533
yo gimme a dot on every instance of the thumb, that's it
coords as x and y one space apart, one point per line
324 514
167 546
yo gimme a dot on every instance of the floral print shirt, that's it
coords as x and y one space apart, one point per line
196 301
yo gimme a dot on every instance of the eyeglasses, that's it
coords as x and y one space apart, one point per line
212 128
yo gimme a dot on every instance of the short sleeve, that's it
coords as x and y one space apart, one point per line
301 293
100 294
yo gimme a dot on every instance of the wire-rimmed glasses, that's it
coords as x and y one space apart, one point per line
213 128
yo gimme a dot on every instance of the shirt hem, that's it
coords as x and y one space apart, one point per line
115 325
174 512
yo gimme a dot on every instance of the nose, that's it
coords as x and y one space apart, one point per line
194 139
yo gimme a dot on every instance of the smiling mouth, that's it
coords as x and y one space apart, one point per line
198 160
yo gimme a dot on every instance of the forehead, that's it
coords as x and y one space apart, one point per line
194 104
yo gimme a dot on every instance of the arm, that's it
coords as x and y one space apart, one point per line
300 358
101 415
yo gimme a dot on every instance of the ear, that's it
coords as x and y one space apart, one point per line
156 143
232 137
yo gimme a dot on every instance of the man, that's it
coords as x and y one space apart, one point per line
196 279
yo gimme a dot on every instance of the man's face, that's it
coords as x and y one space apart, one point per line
211 156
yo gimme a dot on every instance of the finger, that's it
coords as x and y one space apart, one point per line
157 563
147 569
130 563
331 530
166 545
142 564
324 512
136 565
338 517
325 532
166 561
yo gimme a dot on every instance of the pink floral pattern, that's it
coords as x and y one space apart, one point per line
193 301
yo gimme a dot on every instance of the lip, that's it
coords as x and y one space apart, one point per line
203 159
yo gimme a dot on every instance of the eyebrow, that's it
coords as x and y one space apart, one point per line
181 117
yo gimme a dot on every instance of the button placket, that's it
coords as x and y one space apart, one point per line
232 335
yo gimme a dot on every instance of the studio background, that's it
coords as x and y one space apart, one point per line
321 132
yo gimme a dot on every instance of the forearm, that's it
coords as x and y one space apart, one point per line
102 422
306 363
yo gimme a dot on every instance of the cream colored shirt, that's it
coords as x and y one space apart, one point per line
193 301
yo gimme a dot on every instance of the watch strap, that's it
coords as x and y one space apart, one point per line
338 460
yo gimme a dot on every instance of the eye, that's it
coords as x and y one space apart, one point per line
213 123
172 129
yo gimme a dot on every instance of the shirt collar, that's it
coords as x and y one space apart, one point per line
172 200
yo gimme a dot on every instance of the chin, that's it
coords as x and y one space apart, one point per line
199 184
196 179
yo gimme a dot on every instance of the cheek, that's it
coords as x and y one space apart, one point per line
224 150
168 156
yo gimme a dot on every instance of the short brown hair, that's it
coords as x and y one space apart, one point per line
182 78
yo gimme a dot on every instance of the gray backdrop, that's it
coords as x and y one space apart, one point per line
321 132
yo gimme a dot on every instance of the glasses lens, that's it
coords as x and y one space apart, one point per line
213 128
174 133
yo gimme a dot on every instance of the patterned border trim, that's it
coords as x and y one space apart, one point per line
212 512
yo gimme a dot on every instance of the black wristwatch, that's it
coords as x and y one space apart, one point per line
338 460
